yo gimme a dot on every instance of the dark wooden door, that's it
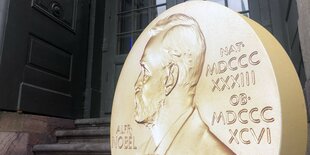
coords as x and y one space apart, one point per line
43 64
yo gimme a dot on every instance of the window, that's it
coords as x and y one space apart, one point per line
240 6
133 16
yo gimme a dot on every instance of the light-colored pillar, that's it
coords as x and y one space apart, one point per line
304 33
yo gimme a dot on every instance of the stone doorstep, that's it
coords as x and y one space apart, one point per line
13 122
19 132
77 147
14 143
93 121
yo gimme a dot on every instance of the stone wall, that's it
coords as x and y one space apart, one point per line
19 132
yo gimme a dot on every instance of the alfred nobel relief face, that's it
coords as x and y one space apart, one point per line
174 55
149 87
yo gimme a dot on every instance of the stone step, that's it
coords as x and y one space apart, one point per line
76 136
72 149
98 126
92 122
71 153
90 137
105 131
68 140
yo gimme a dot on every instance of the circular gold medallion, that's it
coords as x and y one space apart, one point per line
202 79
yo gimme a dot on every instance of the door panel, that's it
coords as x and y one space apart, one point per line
44 101
43 66
42 55
39 77
61 11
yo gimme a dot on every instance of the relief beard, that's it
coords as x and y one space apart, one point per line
147 114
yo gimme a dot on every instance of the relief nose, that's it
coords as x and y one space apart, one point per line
138 84
137 90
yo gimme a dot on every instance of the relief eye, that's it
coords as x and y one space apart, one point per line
145 78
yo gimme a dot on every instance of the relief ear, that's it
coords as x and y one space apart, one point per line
172 78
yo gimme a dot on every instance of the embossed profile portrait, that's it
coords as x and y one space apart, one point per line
171 66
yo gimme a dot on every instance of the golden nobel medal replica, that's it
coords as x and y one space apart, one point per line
202 79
